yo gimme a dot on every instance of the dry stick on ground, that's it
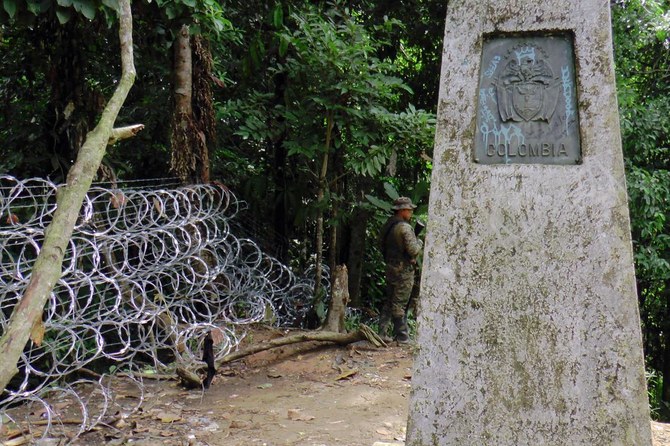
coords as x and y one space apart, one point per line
192 380
26 320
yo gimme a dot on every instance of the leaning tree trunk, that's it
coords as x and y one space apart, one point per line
26 320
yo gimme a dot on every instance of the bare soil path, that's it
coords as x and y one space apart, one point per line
306 394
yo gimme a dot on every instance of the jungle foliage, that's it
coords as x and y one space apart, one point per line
323 112
642 57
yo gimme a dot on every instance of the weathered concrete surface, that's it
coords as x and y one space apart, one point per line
529 327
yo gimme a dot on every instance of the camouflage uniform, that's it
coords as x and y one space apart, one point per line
400 247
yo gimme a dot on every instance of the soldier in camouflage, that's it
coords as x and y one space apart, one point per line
400 247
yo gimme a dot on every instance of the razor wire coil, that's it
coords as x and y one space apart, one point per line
147 270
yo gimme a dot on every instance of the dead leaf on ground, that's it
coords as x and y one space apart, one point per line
274 374
140 429
239 424
346 374
167 417
297 415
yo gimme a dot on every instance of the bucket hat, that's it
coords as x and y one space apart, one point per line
403 203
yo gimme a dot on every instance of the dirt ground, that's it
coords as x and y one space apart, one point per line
307 394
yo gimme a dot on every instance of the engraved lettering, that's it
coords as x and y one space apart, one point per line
523 150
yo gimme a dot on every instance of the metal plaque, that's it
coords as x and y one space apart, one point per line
527 102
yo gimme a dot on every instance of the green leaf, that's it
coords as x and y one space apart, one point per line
391 191
189 3
378 203
10 6
170 11
64 15
111 4
38 7
64 3
85 7
283 46
278 16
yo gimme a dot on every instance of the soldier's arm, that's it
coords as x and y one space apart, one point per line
412 244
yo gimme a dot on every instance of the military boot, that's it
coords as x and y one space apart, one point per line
384 323
400 330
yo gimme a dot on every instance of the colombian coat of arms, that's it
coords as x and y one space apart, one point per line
526 88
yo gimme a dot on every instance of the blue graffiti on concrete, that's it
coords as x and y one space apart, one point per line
567 94
525 53
492 67
490 127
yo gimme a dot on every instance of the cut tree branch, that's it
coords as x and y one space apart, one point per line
124 132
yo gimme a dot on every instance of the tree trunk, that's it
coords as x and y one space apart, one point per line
665 395
356 256
26 319
323 185
337 168
190 160
338 302
203 106
281 227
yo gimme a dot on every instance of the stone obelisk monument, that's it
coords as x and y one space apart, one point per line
528 323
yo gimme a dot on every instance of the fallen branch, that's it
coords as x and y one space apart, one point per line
189 379
364 333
